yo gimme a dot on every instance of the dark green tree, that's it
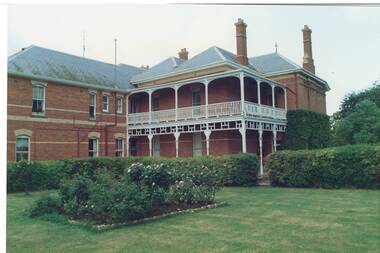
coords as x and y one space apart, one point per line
362 125
352 99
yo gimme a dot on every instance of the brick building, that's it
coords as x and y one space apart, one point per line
65 106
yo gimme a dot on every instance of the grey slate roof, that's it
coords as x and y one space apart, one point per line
42 62
212 55
274 62
161 68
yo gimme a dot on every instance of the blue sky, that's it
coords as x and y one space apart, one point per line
346 40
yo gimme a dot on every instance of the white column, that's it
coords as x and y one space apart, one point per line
176 102
206 98
150 106
261 149
241 77
258 92
242 131
207 134
274 149
286 100
273 98
150 138
127 145
176 136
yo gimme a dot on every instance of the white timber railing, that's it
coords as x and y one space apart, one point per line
213 110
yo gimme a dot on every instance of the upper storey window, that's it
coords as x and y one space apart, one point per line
119 104
105 103
92 108
38 99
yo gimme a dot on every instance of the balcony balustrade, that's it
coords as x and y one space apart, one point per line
213 110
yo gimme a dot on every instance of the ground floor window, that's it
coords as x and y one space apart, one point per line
119 147
92 147
197 144
22 148
133 147
156 146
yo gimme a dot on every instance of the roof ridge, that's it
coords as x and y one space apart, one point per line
219 53
23 50
174 61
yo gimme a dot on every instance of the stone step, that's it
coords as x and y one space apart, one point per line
263 180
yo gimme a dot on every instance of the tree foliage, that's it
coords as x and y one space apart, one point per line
362 125
352 99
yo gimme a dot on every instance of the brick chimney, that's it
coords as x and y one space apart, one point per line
308 62
241 42
183 54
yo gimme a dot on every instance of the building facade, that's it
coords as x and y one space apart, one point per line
64 106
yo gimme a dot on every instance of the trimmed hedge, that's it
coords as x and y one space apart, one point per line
307 129
351 166
34 176
236 170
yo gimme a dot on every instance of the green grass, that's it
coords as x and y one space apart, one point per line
254 220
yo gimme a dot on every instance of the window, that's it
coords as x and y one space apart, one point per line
22 148
133 147
119 104
156 146
196 103
134 106
105 103
119 149
92 147
155 104
92 109
38 99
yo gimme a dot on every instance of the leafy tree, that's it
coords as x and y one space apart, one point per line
360 126
352 99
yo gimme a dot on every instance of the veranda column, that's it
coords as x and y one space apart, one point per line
241 77
242 131
286 100
176 102
207 134
261 148
150 138
206 98
150 106
274 149
176 136
273 98
127 145
258 92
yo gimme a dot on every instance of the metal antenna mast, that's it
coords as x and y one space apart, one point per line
84 43
115 62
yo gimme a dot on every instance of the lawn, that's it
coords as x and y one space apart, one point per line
259 219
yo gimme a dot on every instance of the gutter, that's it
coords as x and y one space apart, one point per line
67 82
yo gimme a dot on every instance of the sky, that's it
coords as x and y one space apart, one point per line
345 39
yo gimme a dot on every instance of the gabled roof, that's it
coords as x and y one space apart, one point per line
161 68
271 63
46 63
211 56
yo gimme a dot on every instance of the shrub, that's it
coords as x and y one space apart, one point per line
46 205
32 176
307 129
242 170
351 166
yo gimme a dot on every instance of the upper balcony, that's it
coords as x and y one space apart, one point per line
227 96
225 109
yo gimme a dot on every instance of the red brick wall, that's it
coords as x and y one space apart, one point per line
63 131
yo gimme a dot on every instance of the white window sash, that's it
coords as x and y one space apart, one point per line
119 105
40 96
105 103
22 152
93 104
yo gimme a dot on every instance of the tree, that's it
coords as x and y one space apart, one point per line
352 99
362 125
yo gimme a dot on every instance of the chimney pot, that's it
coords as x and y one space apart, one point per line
241 42
183 54
308 62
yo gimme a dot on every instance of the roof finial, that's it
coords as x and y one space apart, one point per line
275 45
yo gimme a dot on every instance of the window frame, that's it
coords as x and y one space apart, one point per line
39 85
108 103
119 109
94 95
17 152
122 147
97 147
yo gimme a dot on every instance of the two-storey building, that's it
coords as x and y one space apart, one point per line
214 103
